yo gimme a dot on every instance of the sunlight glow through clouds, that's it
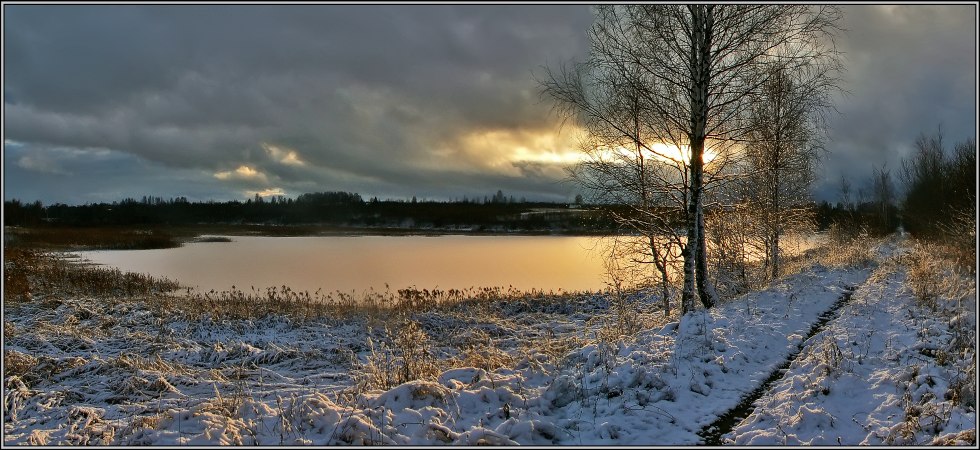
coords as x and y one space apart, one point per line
563 157
266 192
678 154
503 149
283 155
661 151
243 172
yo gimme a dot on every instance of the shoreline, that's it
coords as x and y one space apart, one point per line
71 238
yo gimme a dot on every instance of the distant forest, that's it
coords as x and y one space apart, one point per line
342 209
346 209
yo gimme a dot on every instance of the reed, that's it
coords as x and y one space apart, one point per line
32 273
29 272
90 238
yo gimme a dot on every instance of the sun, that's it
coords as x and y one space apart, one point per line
663 152
682 153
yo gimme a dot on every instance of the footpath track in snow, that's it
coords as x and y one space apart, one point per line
888 371
713 433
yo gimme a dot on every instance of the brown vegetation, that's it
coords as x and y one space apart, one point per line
89 238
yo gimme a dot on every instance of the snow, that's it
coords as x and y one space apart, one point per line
114 372
870 378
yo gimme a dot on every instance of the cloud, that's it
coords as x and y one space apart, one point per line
101 175
40 164
283 155
910 68
391 100
316 96
242 173
267 192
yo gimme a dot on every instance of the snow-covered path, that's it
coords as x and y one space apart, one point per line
882 374
668 385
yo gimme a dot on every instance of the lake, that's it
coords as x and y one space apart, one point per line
357 263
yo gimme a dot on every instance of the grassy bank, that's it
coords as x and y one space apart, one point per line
90 238
36 273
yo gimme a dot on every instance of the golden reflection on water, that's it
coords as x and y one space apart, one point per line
357 263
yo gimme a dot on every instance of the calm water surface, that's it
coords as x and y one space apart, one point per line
357 263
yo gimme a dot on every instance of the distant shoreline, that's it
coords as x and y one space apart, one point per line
139 237
327 230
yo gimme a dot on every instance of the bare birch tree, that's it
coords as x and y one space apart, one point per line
622 167
693 70
782 149
883 190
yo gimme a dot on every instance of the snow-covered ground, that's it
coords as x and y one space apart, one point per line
91 371
887 372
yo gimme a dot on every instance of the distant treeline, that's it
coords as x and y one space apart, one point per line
940 189
344 209
351 210
870 216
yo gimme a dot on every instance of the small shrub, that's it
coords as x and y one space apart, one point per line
398 357
830 354
846 247
924 279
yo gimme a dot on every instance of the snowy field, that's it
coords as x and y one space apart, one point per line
888 370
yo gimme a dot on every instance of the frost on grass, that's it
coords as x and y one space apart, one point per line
897 368
85 370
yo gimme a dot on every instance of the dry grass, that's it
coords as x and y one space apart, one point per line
376 307
401 354
938 277
480 350
941 281
925 272
28 272
17 363
90 238
845 248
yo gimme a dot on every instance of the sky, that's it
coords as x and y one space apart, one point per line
435 101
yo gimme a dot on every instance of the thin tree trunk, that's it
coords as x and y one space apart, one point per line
687 295
776 167
775 255
777 220
661 264
705 290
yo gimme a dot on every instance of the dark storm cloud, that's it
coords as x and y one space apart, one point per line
380 99
59 174
363 94
910 69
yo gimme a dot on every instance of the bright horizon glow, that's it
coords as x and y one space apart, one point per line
663 152
678 154
266 192
243 172
555 157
